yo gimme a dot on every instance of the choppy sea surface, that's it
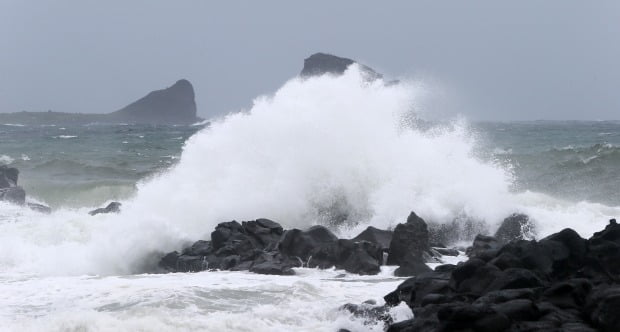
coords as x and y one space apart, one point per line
317 148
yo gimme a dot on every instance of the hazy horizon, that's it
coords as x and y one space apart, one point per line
489 61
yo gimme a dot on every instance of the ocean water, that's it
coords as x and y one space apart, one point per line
338 151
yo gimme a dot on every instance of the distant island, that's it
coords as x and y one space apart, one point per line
173 105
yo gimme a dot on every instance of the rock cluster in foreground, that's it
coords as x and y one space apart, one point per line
560 283
263 246
12 193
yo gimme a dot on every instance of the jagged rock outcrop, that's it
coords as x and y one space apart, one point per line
263 246
173 105
9 190
517 226
12 193
380 237
321 63
560 283
409 246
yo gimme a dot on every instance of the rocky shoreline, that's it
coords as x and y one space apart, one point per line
560 283
509 282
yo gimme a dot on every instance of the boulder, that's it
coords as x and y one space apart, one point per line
303 244
409 246
516 227
603 308
410 237
271 263
380 237
318 247
483 247
249 245
114 207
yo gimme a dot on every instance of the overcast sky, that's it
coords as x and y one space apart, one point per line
491 60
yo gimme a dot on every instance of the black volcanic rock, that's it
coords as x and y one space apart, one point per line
409 246
560 283
318 247
263 246
250 245
516 227
173 105
374 235
483 246
321 63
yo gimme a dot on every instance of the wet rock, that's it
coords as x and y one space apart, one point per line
409 245
516 227
359 257
415 289
114 207
560 283
302 244
604 307
484 246
570 294
377 236
262 246
411 265
515 278
249 245
271 264
266 232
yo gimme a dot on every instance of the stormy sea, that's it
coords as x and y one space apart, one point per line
337 151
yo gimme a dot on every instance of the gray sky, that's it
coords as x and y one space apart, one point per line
491 60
